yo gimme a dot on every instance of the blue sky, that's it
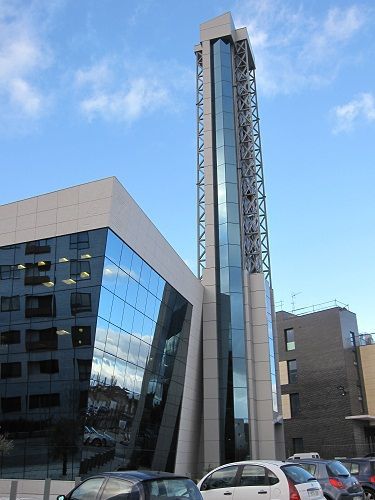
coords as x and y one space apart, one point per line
95 88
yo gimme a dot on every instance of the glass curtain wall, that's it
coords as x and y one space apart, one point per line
49 300
233 383
138 364
88 384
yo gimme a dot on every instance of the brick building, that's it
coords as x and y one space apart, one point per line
324 405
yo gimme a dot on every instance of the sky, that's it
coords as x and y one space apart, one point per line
95 88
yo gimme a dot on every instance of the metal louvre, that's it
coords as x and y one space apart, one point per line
201 215
253 198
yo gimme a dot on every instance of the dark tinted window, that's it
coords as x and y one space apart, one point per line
11 404
43 401
79 240
294 404
10 303
222 478
298 445
10 337
337 469
10 370
253 475
81 336
292 371
296 474
80 302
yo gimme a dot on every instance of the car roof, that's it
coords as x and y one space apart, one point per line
315 460
359 459
278 463
142 475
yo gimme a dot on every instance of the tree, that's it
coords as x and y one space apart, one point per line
63 438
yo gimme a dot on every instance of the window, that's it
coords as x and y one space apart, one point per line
88 490
47 366
222 478
11 404
253 475
116 488
292 371
44 400
294 405
40 306
352 467
353 339
36 274
41 340
10 337
84 369
81 336
80 302
10 303
83 398
289 339
10 370
80 269
9 272
297 445
37 247
309 467
80 240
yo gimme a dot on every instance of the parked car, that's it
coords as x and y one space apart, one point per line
363 469
135 485
95 438
299 456
270 478
334 478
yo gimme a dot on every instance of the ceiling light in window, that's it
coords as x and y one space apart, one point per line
69 281
62 332
84 274
63 259
85 256
49 284
21 266
41 263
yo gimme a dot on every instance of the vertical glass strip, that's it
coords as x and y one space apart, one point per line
233 380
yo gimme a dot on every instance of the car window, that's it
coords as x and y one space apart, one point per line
88 490
253 475
352 467
337 469
272 478
171 488
309 467
296 474
222 478
118 489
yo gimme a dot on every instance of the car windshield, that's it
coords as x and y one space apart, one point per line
337 469
296 474
171 488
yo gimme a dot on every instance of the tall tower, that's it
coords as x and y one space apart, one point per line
241 396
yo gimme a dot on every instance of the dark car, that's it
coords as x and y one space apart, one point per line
364 470
134 485
334 478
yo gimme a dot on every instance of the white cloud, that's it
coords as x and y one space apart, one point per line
125 92
361 107
293 48
23 55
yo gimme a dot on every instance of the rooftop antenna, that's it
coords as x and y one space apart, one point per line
294 294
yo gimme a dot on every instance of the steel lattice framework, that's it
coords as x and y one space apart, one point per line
253 202
201 215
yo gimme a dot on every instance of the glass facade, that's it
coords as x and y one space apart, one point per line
233 372
93 346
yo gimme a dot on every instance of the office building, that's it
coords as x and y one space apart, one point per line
99 336
241 410
323 400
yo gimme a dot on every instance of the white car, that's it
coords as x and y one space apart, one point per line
260 479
